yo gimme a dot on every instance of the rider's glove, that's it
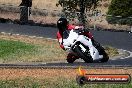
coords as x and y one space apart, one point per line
81 31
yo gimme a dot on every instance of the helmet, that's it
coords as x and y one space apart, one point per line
62 24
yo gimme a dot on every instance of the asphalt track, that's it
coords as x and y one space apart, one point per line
120 40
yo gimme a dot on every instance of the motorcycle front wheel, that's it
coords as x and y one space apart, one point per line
87 59
105 56
101 51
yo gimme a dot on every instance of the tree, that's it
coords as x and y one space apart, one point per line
82 6
121 11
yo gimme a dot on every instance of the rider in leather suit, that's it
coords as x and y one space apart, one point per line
63 28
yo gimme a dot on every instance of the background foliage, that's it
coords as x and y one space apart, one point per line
71 7
121 8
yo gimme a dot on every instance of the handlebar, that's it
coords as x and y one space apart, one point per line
79 31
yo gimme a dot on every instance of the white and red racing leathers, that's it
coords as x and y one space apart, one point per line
70 27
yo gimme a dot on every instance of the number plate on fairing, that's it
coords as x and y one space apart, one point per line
82 48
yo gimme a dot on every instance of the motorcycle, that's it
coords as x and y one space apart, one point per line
87 49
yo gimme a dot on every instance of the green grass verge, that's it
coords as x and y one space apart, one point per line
46 51
13 50
18 51
54 83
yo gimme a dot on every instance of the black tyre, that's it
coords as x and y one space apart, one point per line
105 56
87 59
101 51
71 58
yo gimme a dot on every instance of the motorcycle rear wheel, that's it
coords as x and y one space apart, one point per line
71 58
81 55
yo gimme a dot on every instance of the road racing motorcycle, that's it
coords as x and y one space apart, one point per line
85 48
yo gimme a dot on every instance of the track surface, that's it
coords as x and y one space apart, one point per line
120 40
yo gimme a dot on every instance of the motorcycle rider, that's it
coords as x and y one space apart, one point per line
63 28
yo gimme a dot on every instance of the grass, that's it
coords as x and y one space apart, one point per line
12 50
16 51
25 49
56 83
54 78
111 51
